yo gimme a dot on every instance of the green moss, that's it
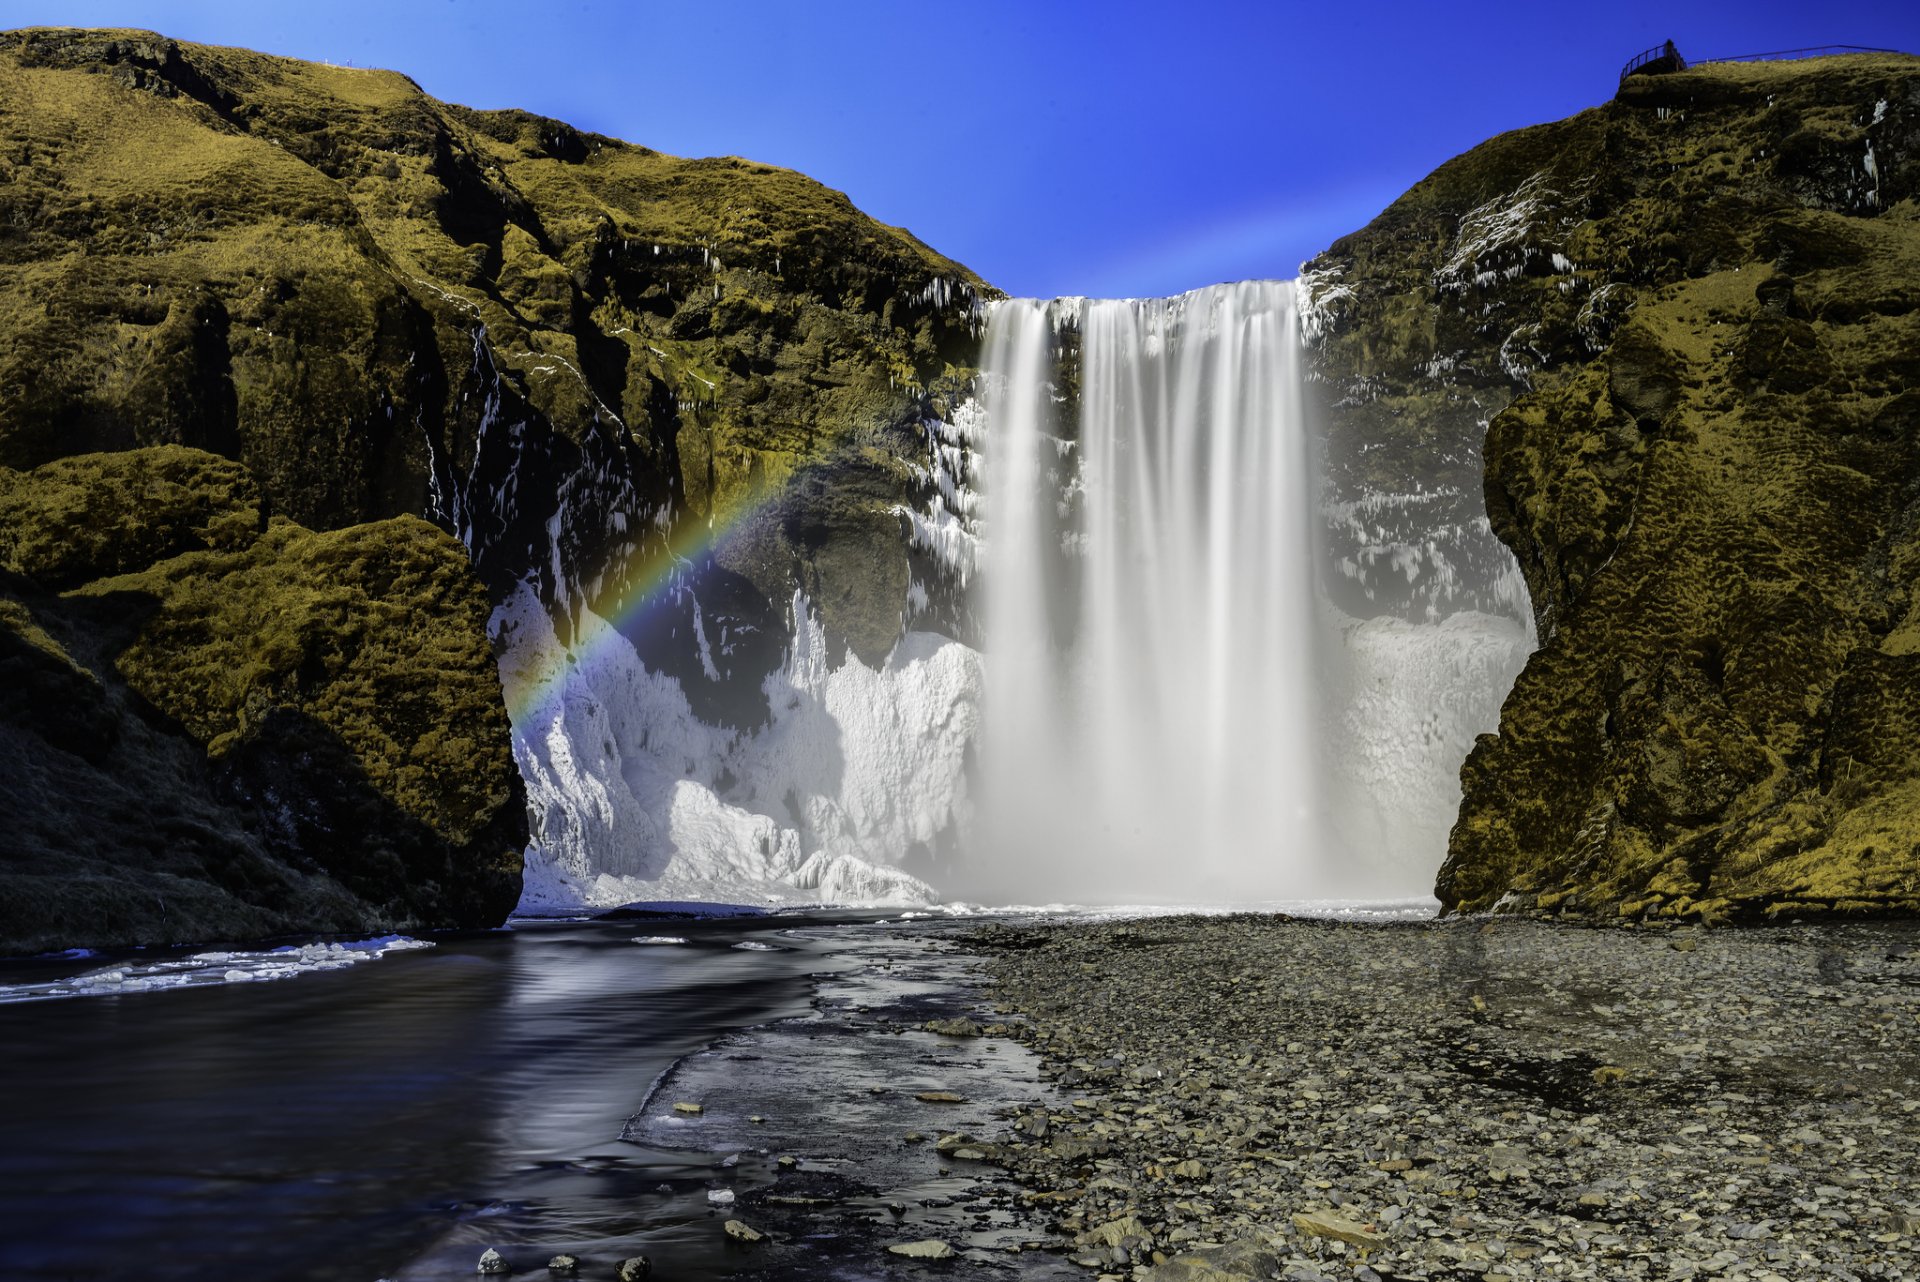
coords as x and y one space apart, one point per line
1703 459
316 708
287 264
377 632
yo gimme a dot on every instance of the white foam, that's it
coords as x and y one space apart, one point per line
659 939
202 970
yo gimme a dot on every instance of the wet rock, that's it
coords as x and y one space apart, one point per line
491 1261
634 1268
961 1027
928 1249
741 1231
940 1097
563 1264
691 1109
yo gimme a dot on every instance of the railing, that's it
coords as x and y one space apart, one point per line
1666 55
1818 51
1664 58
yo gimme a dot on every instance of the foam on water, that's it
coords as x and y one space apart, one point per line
201 970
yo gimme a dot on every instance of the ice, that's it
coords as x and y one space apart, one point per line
856 768
201 970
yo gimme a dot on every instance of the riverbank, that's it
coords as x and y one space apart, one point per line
1260 1096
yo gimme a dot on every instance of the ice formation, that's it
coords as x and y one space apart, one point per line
632 797
200 970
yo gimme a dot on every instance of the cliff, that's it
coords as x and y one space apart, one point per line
297 367
1686 323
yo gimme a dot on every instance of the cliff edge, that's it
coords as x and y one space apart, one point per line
1687 321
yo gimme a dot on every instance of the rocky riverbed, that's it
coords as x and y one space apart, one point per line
1263 1097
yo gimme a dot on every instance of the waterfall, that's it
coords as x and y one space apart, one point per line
1174 712
1150 714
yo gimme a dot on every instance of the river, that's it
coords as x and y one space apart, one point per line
394 1119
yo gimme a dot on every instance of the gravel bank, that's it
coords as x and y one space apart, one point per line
1263 1097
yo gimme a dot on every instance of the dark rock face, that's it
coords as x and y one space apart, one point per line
575 352
1688 320
222 725
308 305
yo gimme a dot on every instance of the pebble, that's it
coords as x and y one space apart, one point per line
1257 1096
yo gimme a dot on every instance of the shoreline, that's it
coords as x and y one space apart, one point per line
1501 1098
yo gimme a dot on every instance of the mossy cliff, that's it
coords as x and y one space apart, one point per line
1689 321
220 724
321 305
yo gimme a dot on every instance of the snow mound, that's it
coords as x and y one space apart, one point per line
632 797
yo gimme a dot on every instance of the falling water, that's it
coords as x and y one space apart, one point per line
1151 713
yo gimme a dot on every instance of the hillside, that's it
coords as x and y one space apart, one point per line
322 306
1686 322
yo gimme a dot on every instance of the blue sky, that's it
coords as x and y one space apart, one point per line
1054 146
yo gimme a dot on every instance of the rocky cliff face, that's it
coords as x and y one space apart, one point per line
220 724
335 306
1685 322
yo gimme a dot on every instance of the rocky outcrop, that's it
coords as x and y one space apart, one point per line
220 724
609 375
1687 319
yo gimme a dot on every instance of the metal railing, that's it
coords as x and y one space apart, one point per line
1663 54
1818 51
1664 58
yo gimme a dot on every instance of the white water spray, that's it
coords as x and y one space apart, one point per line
1151 720
1174 712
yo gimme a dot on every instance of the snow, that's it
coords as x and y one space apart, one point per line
1490 244
1316 295
201 970
632 797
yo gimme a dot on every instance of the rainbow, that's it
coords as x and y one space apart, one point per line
535 679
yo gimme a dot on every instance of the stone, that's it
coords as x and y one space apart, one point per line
961 1027
1325 1225
691 1109
563 1264
927 1249
940 1097
1113 1232
741 1231
635 1268
491 1261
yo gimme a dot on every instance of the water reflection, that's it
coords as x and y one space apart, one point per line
332 1126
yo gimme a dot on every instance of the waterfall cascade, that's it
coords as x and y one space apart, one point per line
1174 712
